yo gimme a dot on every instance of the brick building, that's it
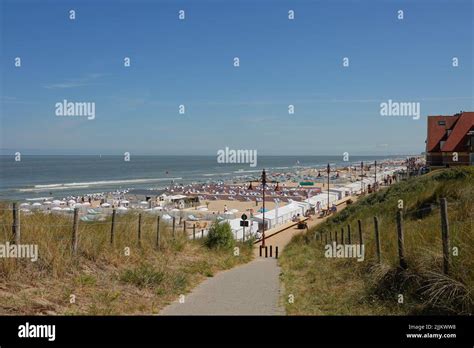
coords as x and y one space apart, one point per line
449 136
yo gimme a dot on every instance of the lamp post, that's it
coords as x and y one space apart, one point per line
375 182
329 172
263 180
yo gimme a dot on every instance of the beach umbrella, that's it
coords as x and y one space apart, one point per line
56 208
203 209
71 201
24 204
166 217
56 202
47 203
158 208
174 209
234 210
144 202
36 204
86 204
105 205
122 208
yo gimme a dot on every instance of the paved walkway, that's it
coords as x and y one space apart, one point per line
250 289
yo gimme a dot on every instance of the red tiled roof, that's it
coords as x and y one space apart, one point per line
462 127
436 132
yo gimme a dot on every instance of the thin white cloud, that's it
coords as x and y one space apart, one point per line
73 83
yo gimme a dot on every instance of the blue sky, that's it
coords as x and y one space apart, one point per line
190 62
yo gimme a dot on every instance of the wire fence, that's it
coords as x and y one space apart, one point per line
360 234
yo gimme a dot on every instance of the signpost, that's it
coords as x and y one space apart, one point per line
244 223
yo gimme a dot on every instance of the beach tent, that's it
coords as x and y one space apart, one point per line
285 214
237 230
340 192
322 198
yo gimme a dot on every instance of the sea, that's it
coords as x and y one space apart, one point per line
36 177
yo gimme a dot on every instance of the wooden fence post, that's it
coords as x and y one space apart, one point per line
361 239
445 234
184 226
401 241
342 236
194 231
330 236
139 228
377 239
335 236
74 231
174 227
158 233
202 234
112 228
349 234
16 225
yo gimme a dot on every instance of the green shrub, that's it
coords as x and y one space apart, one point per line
220 236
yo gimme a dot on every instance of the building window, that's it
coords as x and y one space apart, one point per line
441 123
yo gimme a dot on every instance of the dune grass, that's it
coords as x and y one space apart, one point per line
331 286
103 279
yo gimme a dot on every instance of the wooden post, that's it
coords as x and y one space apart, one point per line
174 227
194 231
16 225
325 238
184 226
112 228
361 239
74 231
266 251
260 251
377 239
342 236
202 234
335 236
158 233
330 236
139 228
276 252
445 234
271 251
349 234
401 241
